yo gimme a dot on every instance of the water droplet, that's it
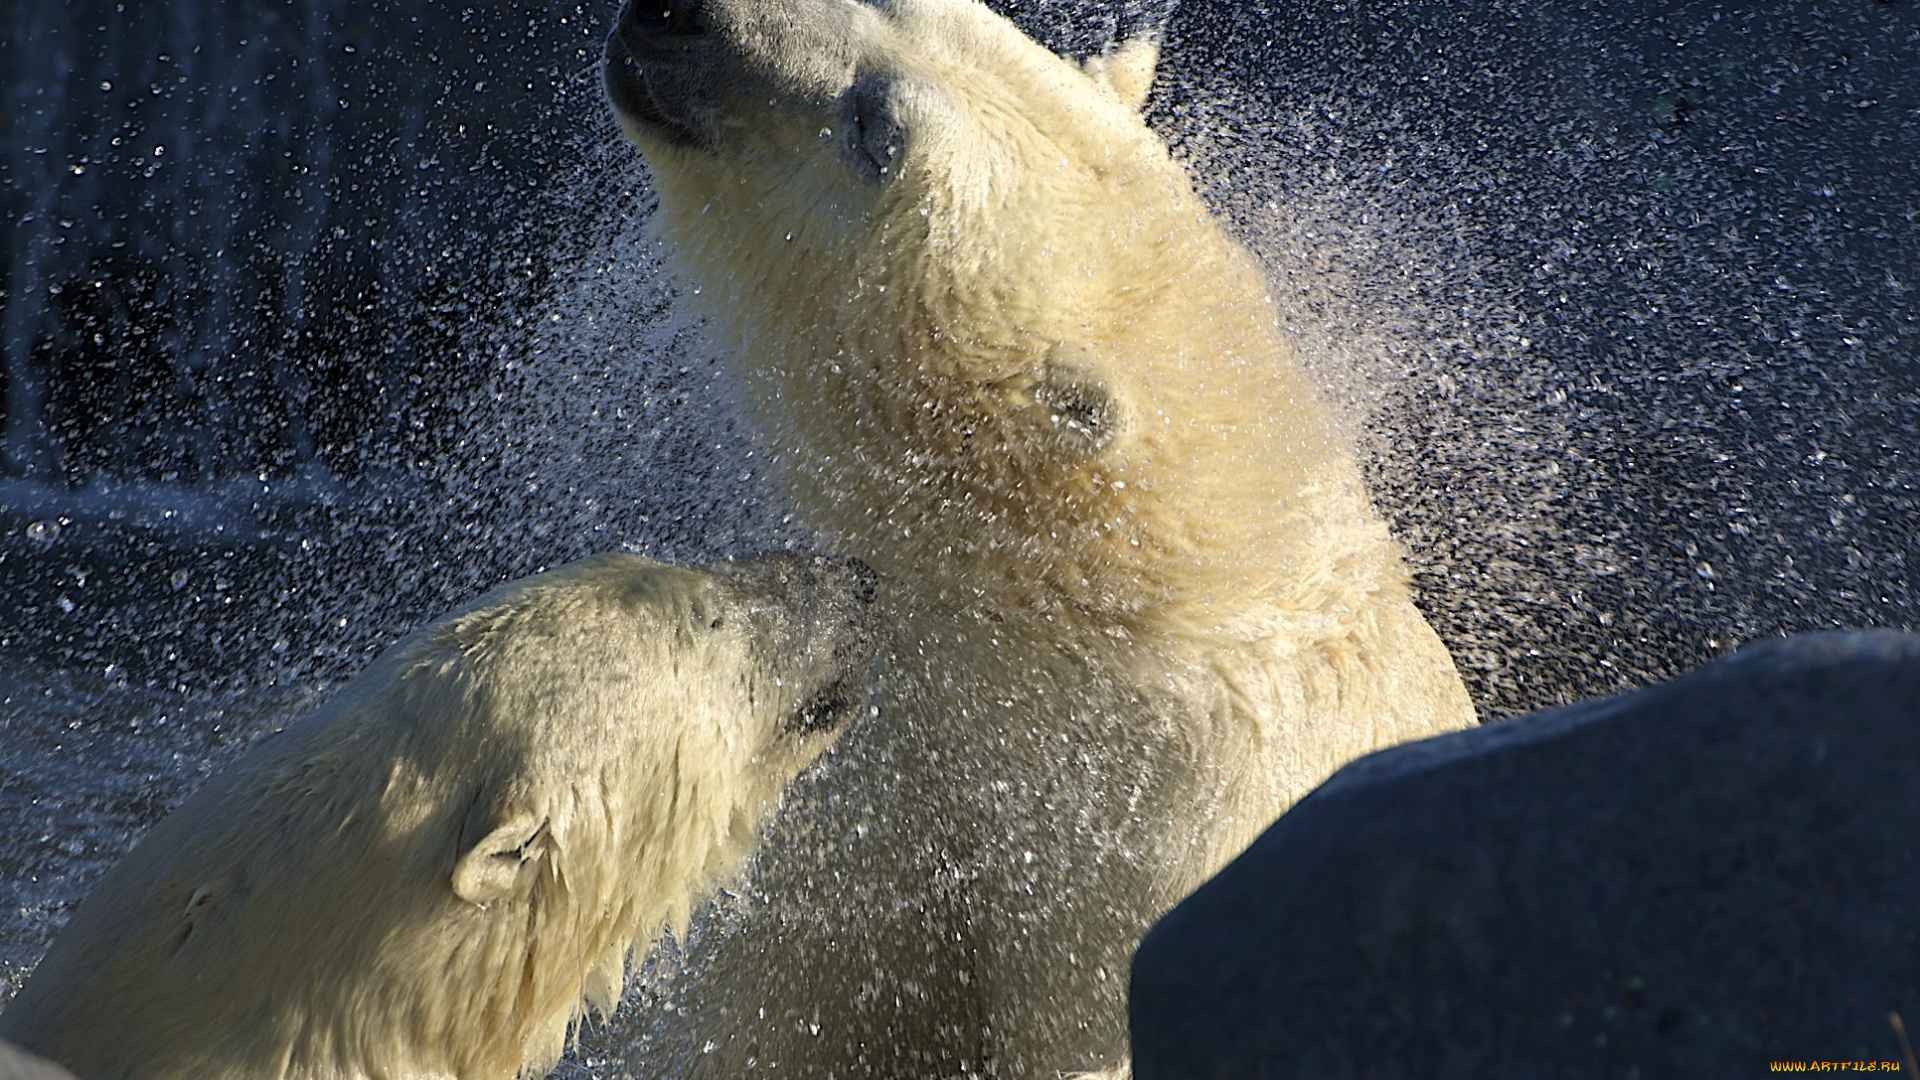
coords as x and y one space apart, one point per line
44 532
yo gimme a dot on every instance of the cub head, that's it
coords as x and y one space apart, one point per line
626 728
427 875
633 716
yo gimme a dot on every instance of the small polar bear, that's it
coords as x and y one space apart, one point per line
430 874
1139 601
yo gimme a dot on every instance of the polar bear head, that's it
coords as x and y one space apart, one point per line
689 697
973 300
428 875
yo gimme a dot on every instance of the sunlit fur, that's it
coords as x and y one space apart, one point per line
1163 634
298 917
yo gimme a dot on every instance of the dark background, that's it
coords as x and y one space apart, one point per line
1671 393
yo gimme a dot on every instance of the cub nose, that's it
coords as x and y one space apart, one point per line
671 18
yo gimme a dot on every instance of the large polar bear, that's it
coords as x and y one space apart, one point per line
1139 600
425 877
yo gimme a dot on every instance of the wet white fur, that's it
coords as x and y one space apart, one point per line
430 875
1117 654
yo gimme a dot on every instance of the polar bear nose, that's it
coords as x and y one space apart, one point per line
654 65
653 18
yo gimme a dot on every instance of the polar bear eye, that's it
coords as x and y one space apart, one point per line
1081 412
875 136
1077 403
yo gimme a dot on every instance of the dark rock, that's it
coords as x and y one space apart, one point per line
1691 880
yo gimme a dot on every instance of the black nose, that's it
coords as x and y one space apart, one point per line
653 41
653 18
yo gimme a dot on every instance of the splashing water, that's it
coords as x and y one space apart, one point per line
314 326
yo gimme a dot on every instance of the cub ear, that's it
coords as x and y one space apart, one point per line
503 864
1127 69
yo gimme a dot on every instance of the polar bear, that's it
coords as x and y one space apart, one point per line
426 877
17 1064
1139 599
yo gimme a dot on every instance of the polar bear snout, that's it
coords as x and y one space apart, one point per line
854 646
683 73
646 68
670 18
829 707
822 628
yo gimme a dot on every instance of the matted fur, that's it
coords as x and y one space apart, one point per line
432 874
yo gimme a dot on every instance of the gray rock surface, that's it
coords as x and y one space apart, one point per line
1692 880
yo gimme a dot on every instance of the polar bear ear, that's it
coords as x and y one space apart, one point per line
1127 69
505 862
